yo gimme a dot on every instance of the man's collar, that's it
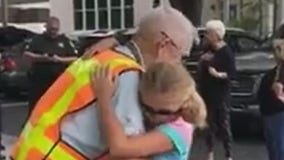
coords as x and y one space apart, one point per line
136 51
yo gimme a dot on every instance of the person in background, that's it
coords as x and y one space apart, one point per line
271 101
217 68
50 53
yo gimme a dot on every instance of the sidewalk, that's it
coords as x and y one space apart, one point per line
7 141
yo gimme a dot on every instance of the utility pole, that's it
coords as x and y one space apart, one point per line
275 17
4 8
261 17
226 11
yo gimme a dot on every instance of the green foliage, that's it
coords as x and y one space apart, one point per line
250 19
247 23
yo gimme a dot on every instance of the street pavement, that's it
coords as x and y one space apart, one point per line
14 112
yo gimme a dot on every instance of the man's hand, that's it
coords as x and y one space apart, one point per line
57 59
99 47
38 57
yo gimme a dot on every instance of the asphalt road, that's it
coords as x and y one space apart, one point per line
14 111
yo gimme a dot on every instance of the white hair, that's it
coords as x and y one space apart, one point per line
172 22
216 26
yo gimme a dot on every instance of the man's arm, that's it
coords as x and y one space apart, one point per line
37 57
105 44
100 46
32 52
70 49
125 101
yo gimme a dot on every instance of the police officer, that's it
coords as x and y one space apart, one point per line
50 53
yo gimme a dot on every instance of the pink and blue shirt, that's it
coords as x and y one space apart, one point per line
180 133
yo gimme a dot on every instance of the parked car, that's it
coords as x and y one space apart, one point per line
13 78
252 62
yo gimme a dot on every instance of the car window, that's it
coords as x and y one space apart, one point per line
267 44
247 44
231 41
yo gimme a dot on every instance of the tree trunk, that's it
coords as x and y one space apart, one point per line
191 8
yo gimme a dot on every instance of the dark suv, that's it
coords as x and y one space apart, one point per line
13 77
251 62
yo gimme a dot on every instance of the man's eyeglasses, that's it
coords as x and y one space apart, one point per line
169 40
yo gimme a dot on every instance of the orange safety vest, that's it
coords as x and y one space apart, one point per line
41 139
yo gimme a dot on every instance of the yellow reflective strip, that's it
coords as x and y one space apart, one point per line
34 140
82 66
22 152
26 130
59 153
81 69
37 140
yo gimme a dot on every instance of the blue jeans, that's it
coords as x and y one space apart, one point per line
274 134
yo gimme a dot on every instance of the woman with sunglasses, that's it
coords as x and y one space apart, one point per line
172 109
217 68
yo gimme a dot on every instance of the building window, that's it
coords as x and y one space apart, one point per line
233 11
103 14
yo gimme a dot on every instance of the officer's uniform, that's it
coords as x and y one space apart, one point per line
43 74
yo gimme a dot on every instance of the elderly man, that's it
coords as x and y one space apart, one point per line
64 124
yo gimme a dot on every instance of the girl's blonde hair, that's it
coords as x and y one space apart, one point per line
163 78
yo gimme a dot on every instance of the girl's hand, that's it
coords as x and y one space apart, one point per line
103 83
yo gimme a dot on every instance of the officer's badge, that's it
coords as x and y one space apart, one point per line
61 44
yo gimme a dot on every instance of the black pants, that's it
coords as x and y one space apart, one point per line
37 88
219 124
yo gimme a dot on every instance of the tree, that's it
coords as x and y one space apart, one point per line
191 8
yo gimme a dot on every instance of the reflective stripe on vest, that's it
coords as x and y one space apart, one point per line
71 92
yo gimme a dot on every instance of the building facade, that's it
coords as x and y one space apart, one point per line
84 15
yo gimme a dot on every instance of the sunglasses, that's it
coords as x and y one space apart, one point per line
150 109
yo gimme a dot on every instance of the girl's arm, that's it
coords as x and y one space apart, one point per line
123 146
120 145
